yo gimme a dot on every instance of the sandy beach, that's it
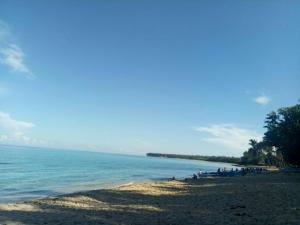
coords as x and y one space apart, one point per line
272 198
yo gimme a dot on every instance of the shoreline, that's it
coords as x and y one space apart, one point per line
88 187
75 190
271 198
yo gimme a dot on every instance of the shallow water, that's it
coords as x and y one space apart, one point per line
28 173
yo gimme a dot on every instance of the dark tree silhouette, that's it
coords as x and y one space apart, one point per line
281 141
283 132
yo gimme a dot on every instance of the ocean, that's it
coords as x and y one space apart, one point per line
28 173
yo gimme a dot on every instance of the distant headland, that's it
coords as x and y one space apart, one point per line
225 159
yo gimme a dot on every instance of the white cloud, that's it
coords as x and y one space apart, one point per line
7 122
12 55
228 135
13 131
262 100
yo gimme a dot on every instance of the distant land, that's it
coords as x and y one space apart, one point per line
225 159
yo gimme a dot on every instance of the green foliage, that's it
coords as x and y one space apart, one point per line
255 154
261 154
283 132
280 145
281 141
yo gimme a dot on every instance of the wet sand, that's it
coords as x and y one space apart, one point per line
268 199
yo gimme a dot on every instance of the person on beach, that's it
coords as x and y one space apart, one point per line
243 172
200 173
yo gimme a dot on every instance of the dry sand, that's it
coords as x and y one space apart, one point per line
268 199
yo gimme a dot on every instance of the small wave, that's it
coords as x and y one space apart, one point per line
138 175
159 179
37 193
9 189
126 184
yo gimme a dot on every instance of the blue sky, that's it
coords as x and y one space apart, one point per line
190 77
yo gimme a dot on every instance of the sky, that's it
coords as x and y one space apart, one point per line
186 77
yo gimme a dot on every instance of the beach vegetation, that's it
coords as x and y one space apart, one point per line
281 142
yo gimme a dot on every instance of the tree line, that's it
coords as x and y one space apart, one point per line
280 145
226 159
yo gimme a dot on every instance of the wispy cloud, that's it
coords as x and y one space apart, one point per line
14 131
11 55
262 100
228 135
7 122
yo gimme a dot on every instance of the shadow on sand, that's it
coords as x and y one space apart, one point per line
263 199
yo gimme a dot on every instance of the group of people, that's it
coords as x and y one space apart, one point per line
224 172
252 170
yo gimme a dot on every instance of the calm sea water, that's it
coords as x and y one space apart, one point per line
28 173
